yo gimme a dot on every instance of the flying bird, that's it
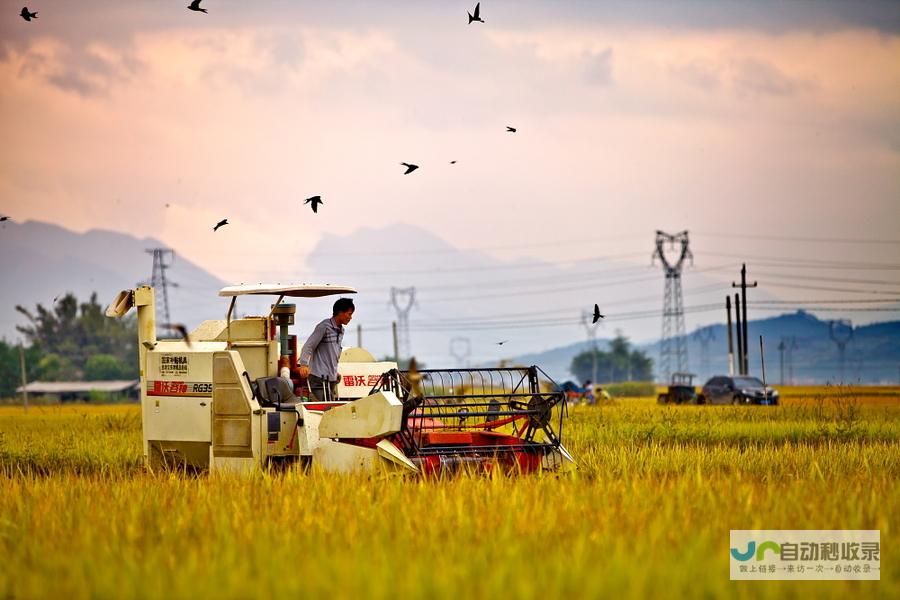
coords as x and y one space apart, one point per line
315 201
409 168
4 219
510 129
221 223
501 343
452 162
182 331
477 15
195 5
28 15
597 315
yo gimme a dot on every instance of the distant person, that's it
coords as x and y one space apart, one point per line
588 392
322 350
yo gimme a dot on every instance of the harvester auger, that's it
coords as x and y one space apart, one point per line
228 396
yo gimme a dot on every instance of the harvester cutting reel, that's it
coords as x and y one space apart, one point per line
481 416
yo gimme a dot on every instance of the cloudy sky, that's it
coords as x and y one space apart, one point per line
776 121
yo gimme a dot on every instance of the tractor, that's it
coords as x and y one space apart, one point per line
681 390
228 397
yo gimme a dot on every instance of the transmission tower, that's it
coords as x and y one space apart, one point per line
591 330
461 349
841 332
704 336
403 300
673 346
158 279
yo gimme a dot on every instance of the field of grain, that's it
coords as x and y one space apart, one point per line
647 513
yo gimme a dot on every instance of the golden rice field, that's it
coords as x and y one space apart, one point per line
647 514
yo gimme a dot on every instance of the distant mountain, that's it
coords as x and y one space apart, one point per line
872 353
810 355
43 261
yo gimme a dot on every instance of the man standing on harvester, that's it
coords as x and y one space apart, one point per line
322 350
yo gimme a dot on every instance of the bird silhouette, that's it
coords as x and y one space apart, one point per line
501 343
182 331
195 5
4 219
27 15
510 129
221 223
315 201
452 162
597 315
409 168
477 15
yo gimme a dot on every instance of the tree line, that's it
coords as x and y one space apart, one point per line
70 341
619 363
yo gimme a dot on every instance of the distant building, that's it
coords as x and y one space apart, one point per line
70 391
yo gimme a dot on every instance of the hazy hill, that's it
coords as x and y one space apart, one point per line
872 354
42 261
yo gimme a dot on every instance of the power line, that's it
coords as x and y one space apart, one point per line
792 276
826 240
848 301
830 289
807 262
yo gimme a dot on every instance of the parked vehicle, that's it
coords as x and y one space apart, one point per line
739 389
681 390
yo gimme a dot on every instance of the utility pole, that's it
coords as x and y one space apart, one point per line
396 349
841 332
744 285
740 334
781 347
704 336
730 343
762 362
403 300
591 330
24 377
791 346
673 344
461 349
359 335
159 282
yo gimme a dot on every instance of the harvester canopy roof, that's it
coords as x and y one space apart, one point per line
295 290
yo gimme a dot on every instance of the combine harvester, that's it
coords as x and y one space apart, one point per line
221 399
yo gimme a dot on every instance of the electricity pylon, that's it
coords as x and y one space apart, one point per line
673 347
159 282
403 300
841 332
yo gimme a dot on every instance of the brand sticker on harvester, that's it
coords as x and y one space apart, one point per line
178 388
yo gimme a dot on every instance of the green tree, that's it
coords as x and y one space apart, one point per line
55 367
619 363
10 369
105 367
77 332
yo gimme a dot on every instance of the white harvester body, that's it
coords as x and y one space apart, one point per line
204 404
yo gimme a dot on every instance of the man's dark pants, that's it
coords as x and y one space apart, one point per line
322 389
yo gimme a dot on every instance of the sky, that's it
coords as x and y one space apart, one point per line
769 130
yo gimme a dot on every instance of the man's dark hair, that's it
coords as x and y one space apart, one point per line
342 305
